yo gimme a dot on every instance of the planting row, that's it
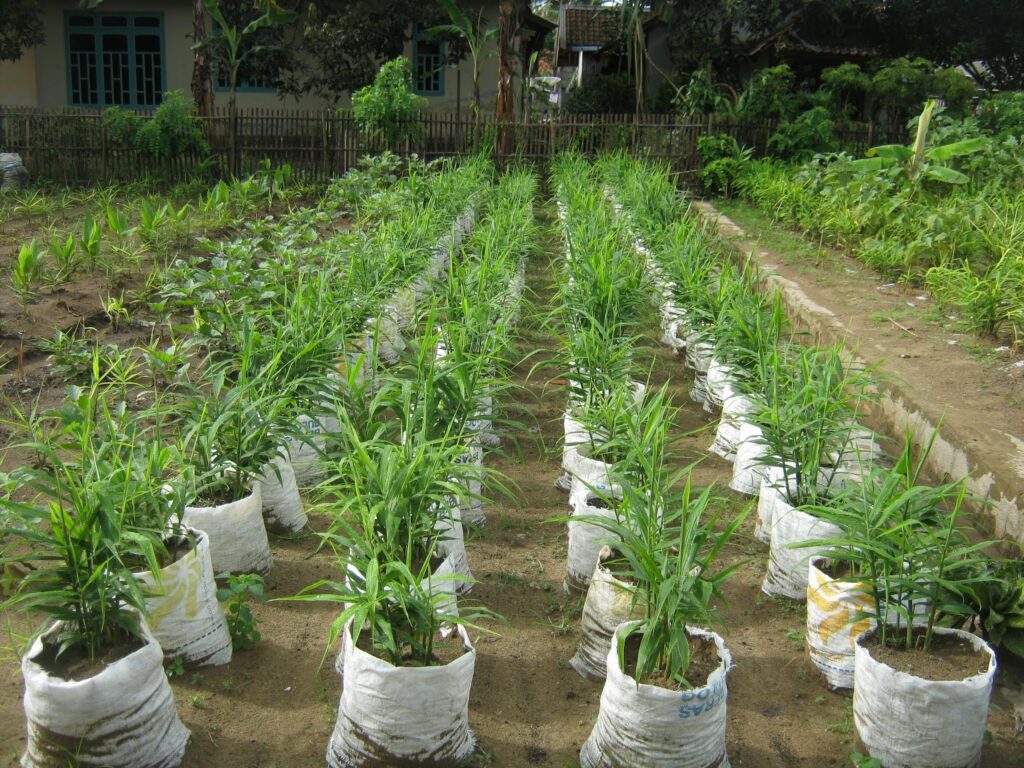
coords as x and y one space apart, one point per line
890 568
366 362
114 239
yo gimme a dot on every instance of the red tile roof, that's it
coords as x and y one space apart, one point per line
590 27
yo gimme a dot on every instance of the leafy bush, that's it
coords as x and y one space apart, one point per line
172 131
610 94
811 132
723 160
768 96
902 85
700 96
122 127
845 84
955 88
1003 114
388 107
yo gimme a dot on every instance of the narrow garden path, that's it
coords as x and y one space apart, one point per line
528 706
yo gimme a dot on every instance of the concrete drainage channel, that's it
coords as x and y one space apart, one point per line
996 476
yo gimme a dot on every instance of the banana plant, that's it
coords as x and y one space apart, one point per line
917 162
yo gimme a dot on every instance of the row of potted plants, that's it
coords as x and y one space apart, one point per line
408 478
899 567
119 558
649 591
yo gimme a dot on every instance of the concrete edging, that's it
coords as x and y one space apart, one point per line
999 483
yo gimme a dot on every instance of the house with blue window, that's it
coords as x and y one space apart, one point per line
128 53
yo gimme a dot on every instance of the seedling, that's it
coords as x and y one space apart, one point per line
115 310
864 761
175 667
92 235
28 269
236 595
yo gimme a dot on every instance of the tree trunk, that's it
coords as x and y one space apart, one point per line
508 24
202 90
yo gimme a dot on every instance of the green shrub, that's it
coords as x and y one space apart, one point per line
610 94
723 160
955 88
769 95
388 108
1003 114
122 127
173 131
811 132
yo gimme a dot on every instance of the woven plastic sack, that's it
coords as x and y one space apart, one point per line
185 616
238 537
832 631
282 505
908 722
644 726
121 717
787 564
748 467
392 715
305 454
451 545
609 603
471 503
735 410
586 474
586 539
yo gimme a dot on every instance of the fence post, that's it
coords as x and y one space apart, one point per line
28 141
103 149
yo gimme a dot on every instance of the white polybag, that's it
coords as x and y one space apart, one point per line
279 492
121 717
185 616
609 603
832 628
471 503
787 565
408 715
699 352
719 384
772 482
305 454
748 467
575 434
645 726
735 410
238 537
585 538
586 473
909 722
451 544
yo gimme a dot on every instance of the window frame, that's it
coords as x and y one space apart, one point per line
419 35
130 31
